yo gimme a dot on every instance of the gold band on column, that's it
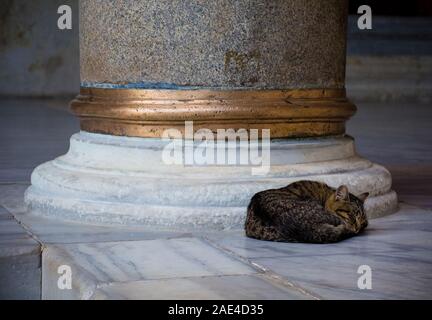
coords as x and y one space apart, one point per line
148 112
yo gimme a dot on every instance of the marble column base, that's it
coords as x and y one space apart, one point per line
107 179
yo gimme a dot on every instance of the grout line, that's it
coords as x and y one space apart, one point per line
107 284
263 270
26 228
104 241
35 238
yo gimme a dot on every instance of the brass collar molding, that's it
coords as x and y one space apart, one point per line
148 112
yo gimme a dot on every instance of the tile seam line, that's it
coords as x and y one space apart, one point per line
55 243
102 285
26 228
32 236
264 271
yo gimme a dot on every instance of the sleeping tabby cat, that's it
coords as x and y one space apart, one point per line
305 211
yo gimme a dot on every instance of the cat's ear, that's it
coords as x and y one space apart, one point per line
363 196
342 193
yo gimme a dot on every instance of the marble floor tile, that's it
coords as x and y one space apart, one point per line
159 269
4 214
13 237
143 263
251 248
32 131
12 197
247 287
393 275
151 259
51 231
18 247
20 267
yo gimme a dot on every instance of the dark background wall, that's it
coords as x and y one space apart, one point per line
402 8
36 58
39 60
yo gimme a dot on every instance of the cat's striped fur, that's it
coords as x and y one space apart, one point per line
305 211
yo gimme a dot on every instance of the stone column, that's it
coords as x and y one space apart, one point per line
149 66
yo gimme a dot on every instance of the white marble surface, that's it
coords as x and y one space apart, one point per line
399 245
106 179
397 248
140 263
14 239
132 262
253 287
152 259
156 269
20 268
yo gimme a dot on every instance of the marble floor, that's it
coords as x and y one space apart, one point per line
137 263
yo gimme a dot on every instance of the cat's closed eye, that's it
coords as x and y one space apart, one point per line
342 213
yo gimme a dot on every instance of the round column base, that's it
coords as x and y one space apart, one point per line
107 179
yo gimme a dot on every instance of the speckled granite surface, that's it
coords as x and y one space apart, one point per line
219 43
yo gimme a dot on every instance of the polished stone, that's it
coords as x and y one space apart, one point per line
20 267
243 287
118 265
32 131
397 247
44 132
221 44
14 239
106 179
27 69
133 260
396 250
142 270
